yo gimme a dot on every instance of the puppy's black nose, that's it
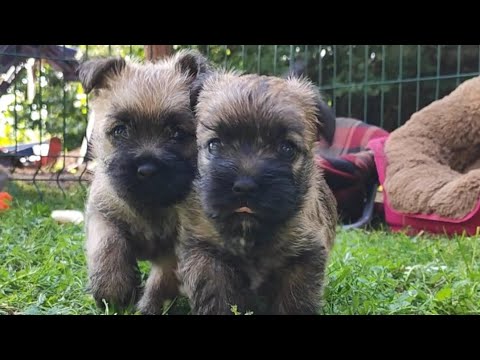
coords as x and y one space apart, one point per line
147 170
244 186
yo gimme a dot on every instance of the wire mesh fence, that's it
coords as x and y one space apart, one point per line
44 112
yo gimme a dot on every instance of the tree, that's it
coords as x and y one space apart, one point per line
380 84
59 108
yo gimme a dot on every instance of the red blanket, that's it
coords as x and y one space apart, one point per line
348 164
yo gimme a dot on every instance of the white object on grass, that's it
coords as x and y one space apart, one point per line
66 216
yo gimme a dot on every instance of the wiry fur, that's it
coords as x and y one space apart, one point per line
434 159
272 261
130 217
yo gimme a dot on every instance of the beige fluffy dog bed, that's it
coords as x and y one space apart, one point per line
434 159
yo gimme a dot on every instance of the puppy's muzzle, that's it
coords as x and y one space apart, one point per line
147 170
244 186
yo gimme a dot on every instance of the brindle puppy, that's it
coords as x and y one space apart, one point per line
144 144
258 227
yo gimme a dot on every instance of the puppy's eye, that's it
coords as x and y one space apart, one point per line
214 146
179 135
287 149
119 131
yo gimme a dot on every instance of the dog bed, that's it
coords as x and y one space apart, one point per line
430 167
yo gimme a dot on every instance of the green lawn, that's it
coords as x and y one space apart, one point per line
42 266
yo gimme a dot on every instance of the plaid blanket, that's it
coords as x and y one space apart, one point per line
348 164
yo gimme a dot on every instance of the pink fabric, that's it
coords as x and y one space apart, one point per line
414 223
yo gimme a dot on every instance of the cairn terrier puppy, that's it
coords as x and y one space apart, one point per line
144 145
258 227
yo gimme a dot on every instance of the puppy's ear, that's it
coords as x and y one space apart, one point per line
93 74
327 120
197 68
325 115
298 68
192 63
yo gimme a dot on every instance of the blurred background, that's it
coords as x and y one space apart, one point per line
44 113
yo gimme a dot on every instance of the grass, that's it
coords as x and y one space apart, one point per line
43 271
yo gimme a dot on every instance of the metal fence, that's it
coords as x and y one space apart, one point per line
41 101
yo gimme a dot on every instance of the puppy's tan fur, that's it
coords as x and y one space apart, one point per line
289 271
117 233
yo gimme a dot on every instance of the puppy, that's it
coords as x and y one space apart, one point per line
260 222
144 144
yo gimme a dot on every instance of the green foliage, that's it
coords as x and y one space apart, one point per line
377 272
43 268
235 311
59 108
131 51
381 84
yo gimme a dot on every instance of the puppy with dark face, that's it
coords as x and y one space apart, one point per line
144 144
260 222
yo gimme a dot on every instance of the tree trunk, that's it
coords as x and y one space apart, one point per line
156 52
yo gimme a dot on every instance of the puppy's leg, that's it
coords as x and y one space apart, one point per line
112 267
210 282
300 285
162 284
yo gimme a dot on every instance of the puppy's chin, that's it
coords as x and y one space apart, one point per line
241 231
245 230
170 185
